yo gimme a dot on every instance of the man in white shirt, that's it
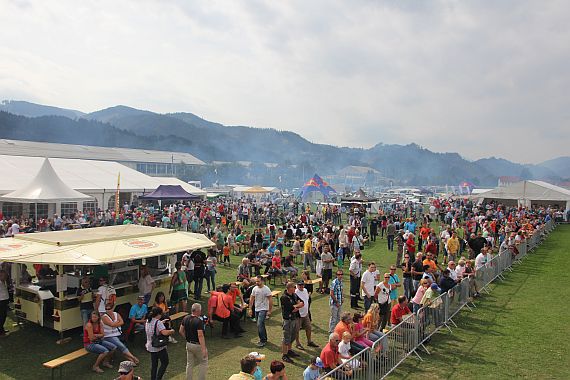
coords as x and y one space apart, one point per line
103 295
481 259
367 284
261 300
355 269
146 285
304 321
452 272
15 228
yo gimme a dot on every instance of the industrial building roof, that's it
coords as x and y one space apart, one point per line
87 152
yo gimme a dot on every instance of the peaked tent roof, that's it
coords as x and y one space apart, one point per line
185 185
45 187
256 190
528 190
169 192
316 184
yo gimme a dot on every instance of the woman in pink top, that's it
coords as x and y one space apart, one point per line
416 301
359 331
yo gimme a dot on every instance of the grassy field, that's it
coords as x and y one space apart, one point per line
492 341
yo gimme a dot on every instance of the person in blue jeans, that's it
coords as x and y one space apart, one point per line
211 264
395 284
262 301
93 342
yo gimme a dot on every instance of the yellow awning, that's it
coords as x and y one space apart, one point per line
95 246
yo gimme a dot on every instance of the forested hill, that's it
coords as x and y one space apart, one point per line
123 126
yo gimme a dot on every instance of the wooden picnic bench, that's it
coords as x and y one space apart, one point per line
178 316
313 281
276 294
62 360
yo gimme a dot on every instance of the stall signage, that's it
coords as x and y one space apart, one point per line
12 246
141 244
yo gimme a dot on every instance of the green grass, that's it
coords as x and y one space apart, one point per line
520 330
505 335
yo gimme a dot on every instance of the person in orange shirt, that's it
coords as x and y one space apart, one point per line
431 262
424 235
226 251
234 293
345 325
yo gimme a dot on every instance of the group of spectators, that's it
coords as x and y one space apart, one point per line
434 251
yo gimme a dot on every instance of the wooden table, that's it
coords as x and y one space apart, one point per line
277 294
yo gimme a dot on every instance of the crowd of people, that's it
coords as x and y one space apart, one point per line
434 250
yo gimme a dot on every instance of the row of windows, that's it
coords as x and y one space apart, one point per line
157 169
10 209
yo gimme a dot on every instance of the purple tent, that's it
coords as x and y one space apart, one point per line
169 192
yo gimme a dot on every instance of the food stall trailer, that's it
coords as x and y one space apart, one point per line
115 252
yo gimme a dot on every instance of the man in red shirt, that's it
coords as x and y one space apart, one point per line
330 355
399 310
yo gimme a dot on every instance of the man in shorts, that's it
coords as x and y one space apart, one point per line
290 306
304 320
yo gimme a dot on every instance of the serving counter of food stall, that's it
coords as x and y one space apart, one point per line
115 252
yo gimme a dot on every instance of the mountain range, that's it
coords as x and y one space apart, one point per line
123 126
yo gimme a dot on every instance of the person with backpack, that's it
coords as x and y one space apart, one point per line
156 343
105 294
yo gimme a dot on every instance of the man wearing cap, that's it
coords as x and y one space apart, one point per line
290 306
137 316
127 372
446 283
312 370
261 301
304 321
192 329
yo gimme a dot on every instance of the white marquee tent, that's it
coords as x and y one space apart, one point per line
97 179
527 193
45 187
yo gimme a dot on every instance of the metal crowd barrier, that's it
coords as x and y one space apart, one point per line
409 336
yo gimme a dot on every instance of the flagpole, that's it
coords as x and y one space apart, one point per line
117 194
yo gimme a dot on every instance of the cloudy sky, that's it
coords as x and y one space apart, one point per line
482 78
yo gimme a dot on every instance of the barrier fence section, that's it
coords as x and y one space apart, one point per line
408 337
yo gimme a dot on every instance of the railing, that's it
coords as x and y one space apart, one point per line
408 337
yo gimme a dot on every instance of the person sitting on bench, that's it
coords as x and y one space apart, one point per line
221 308
93 342
137 317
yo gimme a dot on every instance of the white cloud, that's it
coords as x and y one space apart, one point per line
479 78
